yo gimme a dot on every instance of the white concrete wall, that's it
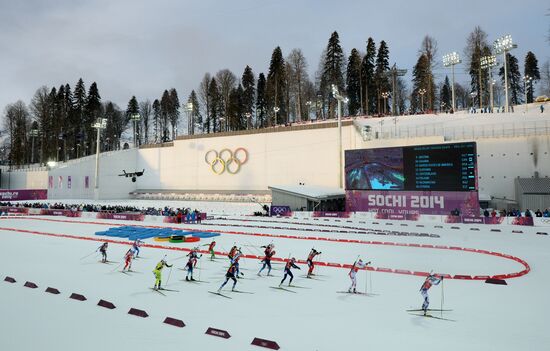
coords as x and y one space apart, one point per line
24 179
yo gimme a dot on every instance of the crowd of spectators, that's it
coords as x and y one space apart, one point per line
516 213
165 211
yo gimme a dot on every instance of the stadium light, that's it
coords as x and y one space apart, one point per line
340 99
101 123
385 96
526 80
502 46
135 117
450 60
422 92
488 62
190 118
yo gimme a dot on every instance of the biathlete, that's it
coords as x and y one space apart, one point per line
289 264
232 253
135 247
128 260
269 252
357 265
430 280
103 250
191 263
235 262
310 263
230 275
158 273
211 250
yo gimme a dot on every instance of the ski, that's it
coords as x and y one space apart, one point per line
220 294
164 289
355 293
429 309
430 316
157 290
281 288
194 281
125 272
107 262
298 286
132 271
242 292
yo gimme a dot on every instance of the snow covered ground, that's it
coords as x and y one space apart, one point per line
315 317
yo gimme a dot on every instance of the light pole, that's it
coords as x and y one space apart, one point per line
488 62
248 116
502 46
190 118
101 123
526 80
308 104
276 110
34 134
450 60
340 99
385 96
135 117
422 92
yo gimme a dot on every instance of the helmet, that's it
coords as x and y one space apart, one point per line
360 261
293 259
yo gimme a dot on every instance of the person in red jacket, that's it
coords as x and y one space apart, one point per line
428 283
289 264
269 252
230 275
310 263
128 260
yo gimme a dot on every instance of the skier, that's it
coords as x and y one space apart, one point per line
269 252
211 250
289 264
353 272
158 273
235 262
135 247
310 258
232 252
103 250
128 260
229 275
430 280
193 257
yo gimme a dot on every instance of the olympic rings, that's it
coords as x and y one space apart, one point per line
225 158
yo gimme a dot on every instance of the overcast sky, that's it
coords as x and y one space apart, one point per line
138 47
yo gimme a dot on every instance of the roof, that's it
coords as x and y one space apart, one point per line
534 185
310 192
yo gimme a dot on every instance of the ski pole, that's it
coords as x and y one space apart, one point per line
88 255
370 277
442 297
169 274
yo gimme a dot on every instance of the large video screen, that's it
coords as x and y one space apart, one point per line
439 167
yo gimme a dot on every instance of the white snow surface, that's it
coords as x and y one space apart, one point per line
486 317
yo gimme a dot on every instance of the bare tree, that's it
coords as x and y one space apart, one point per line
226 82
204 98
545 78
40 108
17 123
145 110
429 48
297 79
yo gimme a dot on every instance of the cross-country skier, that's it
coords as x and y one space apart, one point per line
211 250
232 252
289 264
353 272
103 250
230 275
269 252
128 259
310 258
193 257
235 262
430 280
158 273
135 247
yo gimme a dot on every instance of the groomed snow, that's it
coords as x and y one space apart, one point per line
488 317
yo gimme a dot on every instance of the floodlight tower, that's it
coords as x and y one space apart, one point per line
502 46
488 62
135 117
101 123
450 60
340 99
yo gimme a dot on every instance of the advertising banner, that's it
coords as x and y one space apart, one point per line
121 216
331 214
413 202
19 195
283 211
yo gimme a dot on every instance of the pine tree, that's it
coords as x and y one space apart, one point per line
445 97
353 82
195 114
476 48
248 84
261 102
157 116
276 89
215 106
131 110
514 79
420 81
380 74
367 78
332 72
145 110
165 110
92 113
174 111
531 70
79 104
